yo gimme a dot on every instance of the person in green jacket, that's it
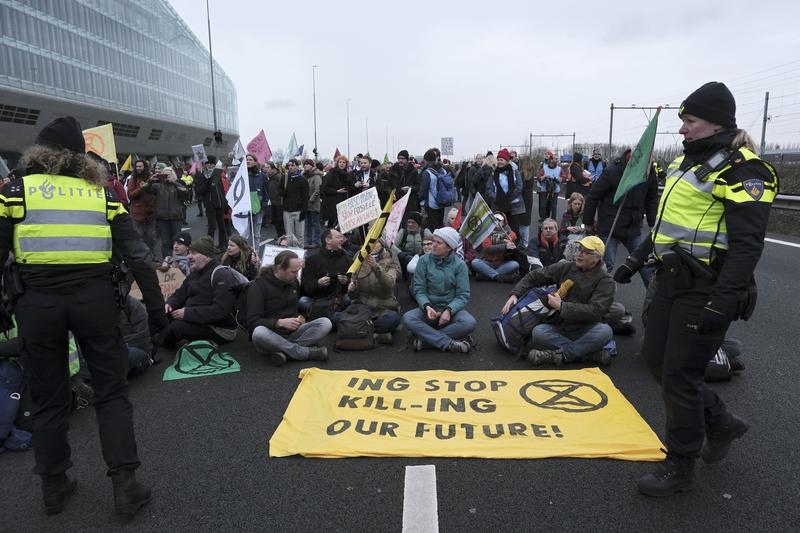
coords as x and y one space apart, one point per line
441 289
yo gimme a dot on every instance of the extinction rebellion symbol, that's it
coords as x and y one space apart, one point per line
564 395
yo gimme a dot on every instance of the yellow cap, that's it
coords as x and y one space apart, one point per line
594 244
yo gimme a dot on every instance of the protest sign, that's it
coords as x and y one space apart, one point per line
357 210
271 251
168 281
199 153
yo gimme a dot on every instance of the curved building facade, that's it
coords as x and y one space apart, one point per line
133 63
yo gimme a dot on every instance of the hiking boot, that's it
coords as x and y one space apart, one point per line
55 491
546 357
508 278
601 357
462 346
129 494
417 345
675 474
720 437
482 277
278 358
318 353
384 338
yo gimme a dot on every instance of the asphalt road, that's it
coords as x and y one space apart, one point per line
204 448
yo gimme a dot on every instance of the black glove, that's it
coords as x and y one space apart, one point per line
625 272
157 321
711 319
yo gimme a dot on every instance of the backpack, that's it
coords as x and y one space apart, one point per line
355 330
241 287
513 330
445 189
11 438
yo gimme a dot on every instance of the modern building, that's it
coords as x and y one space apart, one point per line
133 63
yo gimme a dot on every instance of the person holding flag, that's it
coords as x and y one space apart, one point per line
707 240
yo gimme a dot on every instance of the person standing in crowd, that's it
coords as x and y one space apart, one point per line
334 190
295 200
572 227
505 190
210 187
277 329
62 248
169 192
405 178
576 182
428 184
708 237
595 165
143 204
471 181
441 290
241 257
637 203
314 179
275 187
364 177
259 198
550 177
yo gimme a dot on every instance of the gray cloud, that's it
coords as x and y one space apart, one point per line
279 103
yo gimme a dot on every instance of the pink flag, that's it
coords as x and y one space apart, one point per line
260 147
195 166
337 154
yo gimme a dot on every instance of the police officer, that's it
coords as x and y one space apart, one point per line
708 237
60 222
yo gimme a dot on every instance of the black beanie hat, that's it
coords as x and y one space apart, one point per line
402 153
416 216
64 132
204 245
431 155
212 159
712 102
184 238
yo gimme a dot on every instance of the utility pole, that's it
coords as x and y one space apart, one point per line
573 142
610 130
314 90
217 132
348 128
764 125
366 127
530 145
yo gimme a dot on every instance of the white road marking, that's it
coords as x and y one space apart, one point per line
785 243
420 507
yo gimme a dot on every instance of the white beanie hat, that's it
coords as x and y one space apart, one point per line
449 235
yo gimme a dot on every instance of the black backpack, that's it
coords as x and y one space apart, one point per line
355 330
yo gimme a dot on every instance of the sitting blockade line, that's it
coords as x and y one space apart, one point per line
510 414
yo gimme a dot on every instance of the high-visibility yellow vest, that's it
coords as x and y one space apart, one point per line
691 212
60 220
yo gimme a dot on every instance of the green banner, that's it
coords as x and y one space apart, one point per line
200 358
639 166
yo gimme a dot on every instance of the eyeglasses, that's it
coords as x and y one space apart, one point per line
427 244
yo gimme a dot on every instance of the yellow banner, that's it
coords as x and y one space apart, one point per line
100 140
438 413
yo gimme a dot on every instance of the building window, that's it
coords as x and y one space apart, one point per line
123 130
155 135
19 115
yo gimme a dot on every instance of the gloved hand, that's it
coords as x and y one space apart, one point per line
625 272
711 319
157 321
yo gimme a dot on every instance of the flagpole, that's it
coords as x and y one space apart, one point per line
253 231
616 217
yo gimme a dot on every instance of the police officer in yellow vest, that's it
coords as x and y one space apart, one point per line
708 238
60 222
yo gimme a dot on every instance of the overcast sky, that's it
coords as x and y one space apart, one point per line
490 73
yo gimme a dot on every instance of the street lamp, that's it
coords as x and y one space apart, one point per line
348 128
314 85
217 132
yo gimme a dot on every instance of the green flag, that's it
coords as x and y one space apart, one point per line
292 147
385 158
639 166
200 358
478 223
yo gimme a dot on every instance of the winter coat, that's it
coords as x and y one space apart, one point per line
210 188
569 219
295 194
507 200
250 270
493 248
333 181
314 179
203 303
259 195
406 176
275 188
548 252
358 175
318 266
134 325
441 282
640 201
411 243
142 200
383 182
115 185
375 287
270 299
587 301
169 199
427 185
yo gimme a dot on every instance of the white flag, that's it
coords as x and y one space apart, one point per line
4 171
395 219
239 199
238 152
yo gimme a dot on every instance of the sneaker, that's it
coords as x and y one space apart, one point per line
384 338
546 357
719 439
462 346
601 357
278 358
675 474
417 345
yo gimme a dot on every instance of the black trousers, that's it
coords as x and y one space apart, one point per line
91 314
216 222
677 356
434 218
180 330
548 203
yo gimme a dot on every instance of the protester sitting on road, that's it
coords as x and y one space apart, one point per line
427 246
276 326
408 241
572 220
575 332
441 290
180 254
374 286
199 308
324 284
289 241
136 335
495 263
241 257
548 247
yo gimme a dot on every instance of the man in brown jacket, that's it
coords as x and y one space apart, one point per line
576 331
143 204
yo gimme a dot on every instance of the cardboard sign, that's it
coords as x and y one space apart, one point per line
271 252
358 210
168 281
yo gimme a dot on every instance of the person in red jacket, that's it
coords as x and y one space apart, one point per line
143 204
494 263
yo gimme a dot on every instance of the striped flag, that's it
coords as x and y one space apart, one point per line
478 222
374 234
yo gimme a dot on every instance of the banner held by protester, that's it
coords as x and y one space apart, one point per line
260 147
374 234
238 197
478 223
395 219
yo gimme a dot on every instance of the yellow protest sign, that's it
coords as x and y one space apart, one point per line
511 415
100 140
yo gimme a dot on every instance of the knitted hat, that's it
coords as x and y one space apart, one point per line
184 238
449 235
402 153
204 246
64 132
212 159
712 102
308 162
503 154
431 155
416 216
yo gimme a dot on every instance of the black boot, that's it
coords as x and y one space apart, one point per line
675 474
317 353
55 491
129 494
720 437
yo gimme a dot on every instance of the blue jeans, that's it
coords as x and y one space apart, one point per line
311 237
254 231
482 267
461 325
385 323
525 233
575 344
138 360
631 244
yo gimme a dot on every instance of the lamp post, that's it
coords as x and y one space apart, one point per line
348 128
217 132
314 88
